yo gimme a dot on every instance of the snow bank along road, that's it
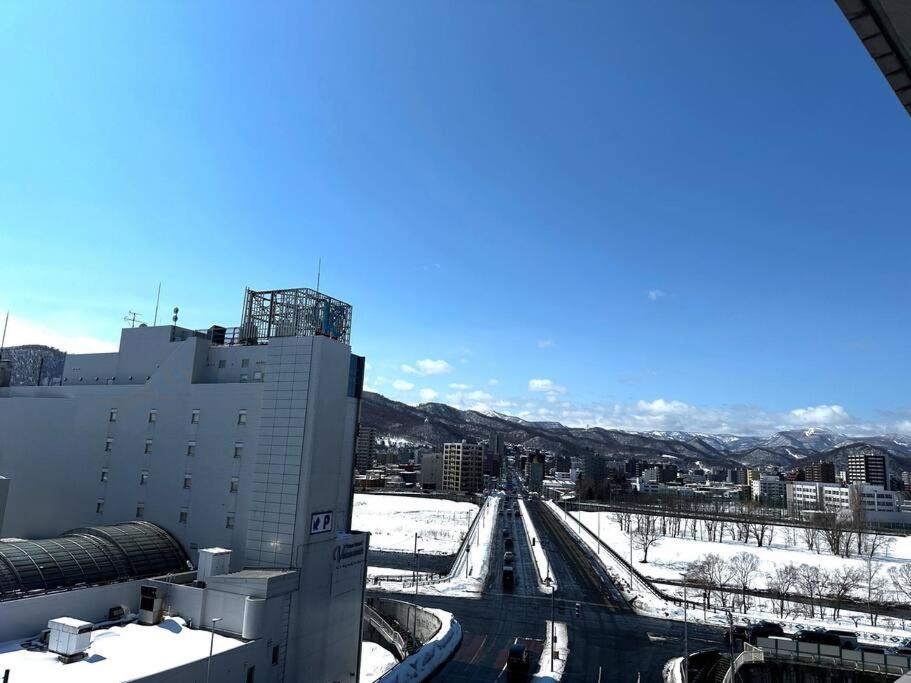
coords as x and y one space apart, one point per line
546 581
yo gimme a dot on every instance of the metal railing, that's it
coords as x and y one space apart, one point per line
393 637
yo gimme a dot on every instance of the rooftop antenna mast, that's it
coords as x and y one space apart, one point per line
319 269
130 317
157 301
3 339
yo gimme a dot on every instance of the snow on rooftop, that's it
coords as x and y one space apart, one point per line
118 653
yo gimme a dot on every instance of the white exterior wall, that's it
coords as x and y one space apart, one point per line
296 460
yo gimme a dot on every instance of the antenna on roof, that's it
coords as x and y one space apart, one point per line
3 339
131 317
157 300
319 269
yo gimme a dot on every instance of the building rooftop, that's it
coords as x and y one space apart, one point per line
117 653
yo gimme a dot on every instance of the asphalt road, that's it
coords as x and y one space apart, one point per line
607 641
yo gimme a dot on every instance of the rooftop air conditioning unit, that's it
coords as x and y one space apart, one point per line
69 638
150 601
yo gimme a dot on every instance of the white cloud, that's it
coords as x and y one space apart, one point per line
655 294
492 382
427 395
821 415
21 331
456 385
545 343
545 385
469 400
427 366
402 385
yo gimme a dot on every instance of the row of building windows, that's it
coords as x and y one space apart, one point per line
194 416
182 517
233 486
191 447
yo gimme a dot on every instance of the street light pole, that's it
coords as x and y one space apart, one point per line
215 620
686 642
553 589
599 532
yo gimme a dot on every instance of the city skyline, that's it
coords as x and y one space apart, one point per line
689 243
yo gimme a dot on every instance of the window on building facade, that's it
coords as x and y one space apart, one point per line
238 449
182 519
222 364
194 417
242 417
140 511
274 655
108 443
99 506
229 522
244 377
143 477
257 376
187 482
191 448
234 485
104 475
148 447
112 416
245 362
153 416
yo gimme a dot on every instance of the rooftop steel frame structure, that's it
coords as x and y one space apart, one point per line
298 312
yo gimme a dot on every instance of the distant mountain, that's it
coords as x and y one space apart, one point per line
35 364
432 424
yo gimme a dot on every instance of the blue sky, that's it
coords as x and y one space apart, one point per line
670 215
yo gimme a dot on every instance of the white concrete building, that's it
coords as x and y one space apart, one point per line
771 490
240 438
813 495
463 467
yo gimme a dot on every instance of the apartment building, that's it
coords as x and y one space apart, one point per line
463 467
365 448
868 468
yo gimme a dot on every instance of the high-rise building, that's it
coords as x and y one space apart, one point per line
463 467
365 448
868 468
822 470
432 471
536 473
906 480
237 438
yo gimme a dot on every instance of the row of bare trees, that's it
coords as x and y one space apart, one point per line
838 533
819 588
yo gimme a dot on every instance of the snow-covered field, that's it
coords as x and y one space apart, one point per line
393 520
375 661
670 556
888 631
469 571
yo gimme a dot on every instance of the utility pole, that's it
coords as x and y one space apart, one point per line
599 533
553 589
731 641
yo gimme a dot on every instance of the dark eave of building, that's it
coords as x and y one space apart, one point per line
884 28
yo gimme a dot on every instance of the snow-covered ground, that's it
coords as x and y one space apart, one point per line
552 669
670 556
420 665
542 565
469 571
393 520
375 661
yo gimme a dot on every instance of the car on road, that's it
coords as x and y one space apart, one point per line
517 659
818 637
509 578
508 557
763 629
508 543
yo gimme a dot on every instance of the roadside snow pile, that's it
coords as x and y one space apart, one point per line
375 661
393 520
672 672
552 669
423 663
542 565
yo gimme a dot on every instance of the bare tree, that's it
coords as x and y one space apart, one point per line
810 535
759 529
874 585
841 583
646 534
719 575
834 528
808 576
744 567
781 581
623 519
876 543
901 579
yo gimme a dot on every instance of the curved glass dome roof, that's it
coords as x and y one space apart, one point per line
86 556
